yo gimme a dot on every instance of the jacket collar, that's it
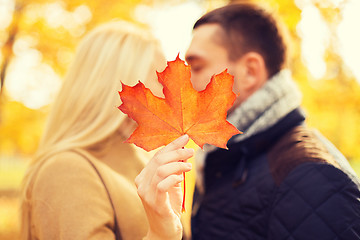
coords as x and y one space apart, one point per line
239 154
262 141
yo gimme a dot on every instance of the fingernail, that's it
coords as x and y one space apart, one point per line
190 150
183 137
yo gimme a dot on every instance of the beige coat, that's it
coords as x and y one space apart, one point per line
69 200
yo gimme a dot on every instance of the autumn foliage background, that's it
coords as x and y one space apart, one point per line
38 38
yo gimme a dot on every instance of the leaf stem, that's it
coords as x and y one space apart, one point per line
183 203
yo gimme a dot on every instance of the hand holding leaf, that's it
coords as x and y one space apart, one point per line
159 187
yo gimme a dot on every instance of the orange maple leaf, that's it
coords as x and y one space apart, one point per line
201 115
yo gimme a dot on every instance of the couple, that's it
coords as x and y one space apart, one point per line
278 180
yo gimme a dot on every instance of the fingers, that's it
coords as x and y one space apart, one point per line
166 179
150 178
173 152
162 159
164 185
166 162
169 188
176 144
174 168
169 175
176 155
159 187
164 170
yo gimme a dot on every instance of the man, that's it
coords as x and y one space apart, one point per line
279 180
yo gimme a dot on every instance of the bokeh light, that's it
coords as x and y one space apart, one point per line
170 26
349 36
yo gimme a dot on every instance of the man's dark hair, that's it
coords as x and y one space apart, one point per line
247 27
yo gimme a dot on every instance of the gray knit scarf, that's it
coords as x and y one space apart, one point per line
263 109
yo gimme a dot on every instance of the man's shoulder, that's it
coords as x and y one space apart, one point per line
315 197
298 146
316 201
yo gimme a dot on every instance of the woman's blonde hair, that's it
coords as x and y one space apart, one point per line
85 112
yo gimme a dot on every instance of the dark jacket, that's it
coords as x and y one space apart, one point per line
282 183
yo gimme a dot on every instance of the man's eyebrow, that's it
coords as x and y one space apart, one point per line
191 58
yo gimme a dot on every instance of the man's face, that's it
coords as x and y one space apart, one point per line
207 57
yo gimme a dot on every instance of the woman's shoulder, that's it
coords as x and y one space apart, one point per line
67 190
66 171
63 165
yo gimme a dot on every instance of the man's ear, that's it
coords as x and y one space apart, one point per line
252 71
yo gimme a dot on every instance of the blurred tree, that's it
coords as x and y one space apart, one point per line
7 46
331 101
51 29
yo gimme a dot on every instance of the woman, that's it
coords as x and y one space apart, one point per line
80 184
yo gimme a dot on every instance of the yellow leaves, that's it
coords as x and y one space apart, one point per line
20 128
333 108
